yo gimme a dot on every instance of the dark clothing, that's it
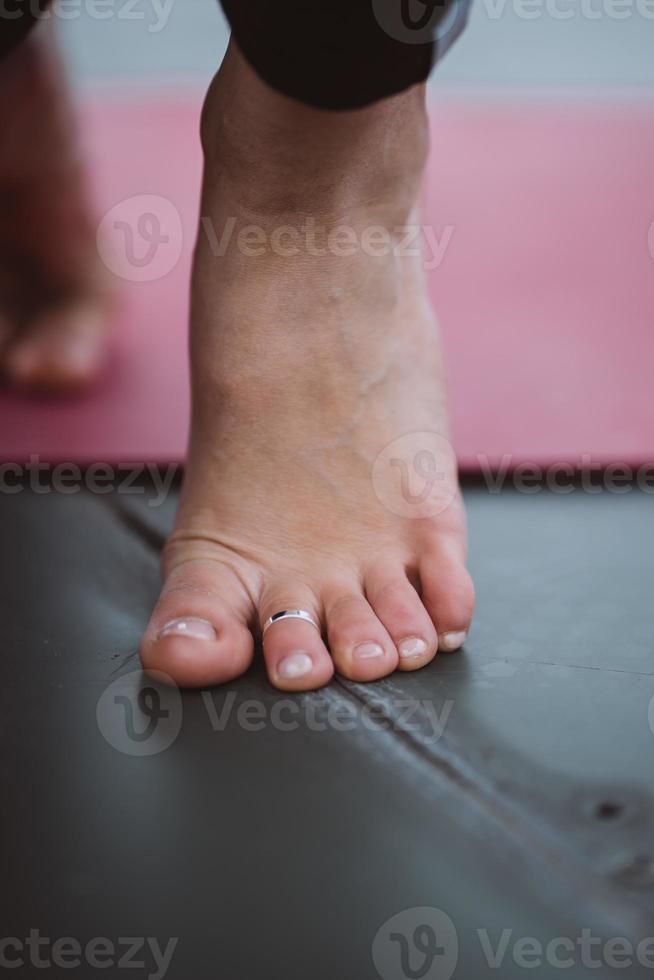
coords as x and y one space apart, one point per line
17 17
333 54
342 54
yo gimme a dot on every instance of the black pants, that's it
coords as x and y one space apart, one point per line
334 54
342 54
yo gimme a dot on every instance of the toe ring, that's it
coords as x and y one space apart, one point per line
289 614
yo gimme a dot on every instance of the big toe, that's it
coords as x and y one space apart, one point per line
198 632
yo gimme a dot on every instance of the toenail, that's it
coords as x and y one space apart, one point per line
367 650
413 646
295 665
452 641
199 629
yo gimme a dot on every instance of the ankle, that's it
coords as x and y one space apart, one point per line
279 157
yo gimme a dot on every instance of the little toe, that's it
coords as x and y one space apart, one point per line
359 643
400 609
448 595
198 632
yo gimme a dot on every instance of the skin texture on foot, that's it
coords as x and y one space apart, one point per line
54 292
318 394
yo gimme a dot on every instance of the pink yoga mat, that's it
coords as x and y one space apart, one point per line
542 247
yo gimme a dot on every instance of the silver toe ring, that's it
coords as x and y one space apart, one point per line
289 614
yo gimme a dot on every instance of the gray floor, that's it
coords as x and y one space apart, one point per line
508 787
524 46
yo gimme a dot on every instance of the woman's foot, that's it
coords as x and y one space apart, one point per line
319 474
54 296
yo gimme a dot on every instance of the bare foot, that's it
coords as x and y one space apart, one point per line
318 396
54 295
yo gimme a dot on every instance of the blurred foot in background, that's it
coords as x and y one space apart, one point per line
54 293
